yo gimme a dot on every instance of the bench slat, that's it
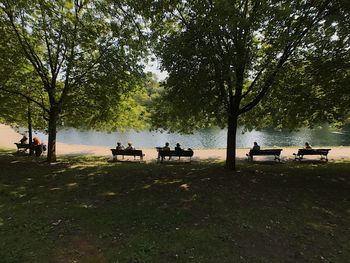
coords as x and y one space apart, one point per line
134 153
322 152
274 152
176 153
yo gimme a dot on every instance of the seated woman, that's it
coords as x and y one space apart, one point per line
256 147
38 147
130 147
119 146
307 146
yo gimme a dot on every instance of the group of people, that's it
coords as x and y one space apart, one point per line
167 147
256 146
131 147
121 147
37 145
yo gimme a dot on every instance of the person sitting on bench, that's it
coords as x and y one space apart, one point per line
119 146
166 147
24 140
256 147
38 146
178 148
130 147
307 146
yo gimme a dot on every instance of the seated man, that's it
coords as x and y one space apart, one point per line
166 147
256 147
307 146
178 148
119 146
130 147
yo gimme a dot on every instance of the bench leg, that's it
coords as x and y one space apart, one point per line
324 158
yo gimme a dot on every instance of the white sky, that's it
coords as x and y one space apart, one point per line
153 66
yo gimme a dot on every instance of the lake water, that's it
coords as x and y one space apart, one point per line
208 138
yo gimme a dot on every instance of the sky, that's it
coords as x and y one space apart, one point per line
153 66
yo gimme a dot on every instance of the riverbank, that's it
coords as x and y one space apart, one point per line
8 136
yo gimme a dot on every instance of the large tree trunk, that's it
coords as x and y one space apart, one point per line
51 151
231 142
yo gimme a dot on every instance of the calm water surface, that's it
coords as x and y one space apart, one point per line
207 138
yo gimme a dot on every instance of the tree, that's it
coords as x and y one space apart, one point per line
77 48
223 57
16 106
317 81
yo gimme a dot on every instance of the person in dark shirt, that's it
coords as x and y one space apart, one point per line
24 140
119 146
178 147
256 147
307 146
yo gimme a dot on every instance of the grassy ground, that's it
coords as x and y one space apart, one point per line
90 210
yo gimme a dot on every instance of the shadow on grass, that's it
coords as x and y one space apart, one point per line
89 210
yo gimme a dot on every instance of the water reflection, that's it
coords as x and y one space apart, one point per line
208 138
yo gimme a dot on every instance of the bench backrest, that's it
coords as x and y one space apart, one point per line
127 152
22 145
265 152
313 151
185 153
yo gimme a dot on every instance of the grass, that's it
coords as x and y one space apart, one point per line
85 209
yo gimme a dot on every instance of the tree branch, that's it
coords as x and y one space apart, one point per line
25 96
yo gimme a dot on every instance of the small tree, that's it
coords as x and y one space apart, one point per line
223 57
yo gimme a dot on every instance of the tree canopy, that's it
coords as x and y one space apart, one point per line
317 80
86 54
224 56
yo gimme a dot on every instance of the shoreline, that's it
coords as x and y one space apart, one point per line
8 137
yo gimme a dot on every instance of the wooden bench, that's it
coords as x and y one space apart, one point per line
322 152
172 153
274 152
135 153
22 147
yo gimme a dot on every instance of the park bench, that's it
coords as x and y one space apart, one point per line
172 153
135 153
322 152
275 152
22 147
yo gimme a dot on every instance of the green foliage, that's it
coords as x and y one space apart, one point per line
314 87
224 56
86 54
17 77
